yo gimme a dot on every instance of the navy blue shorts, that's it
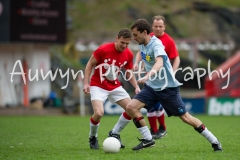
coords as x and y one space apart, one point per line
156 107
169 99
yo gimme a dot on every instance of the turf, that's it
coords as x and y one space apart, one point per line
66 137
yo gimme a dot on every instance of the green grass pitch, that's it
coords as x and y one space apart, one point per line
66 137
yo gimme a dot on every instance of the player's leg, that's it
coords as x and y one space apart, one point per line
95 122
202 129
160 117
124 119
133 108
173 104
142 99
98 96
122 98
161 120
152 119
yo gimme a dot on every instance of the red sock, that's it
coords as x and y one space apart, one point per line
162 122
153 123
93 122
125 115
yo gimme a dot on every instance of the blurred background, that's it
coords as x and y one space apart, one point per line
47 42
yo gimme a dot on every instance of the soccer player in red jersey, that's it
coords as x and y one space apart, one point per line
108 61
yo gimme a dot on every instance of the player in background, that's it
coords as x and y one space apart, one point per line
156 113
107 61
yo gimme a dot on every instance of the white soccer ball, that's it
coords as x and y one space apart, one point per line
111 145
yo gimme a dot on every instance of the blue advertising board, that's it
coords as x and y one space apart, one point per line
195 105
110 108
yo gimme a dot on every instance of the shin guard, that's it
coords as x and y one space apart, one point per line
136 121
200 128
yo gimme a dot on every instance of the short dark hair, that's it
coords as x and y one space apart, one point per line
125 33
158 17
142 24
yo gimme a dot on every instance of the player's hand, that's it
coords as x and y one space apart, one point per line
135 67
86 88
143 80
137 90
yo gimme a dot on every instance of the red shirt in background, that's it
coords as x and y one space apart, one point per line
170 47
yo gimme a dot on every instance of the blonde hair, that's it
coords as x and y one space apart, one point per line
158 17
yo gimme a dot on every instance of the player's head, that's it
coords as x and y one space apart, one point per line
123 39
158 25
141 29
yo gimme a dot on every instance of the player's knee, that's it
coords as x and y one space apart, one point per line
98 114
130 108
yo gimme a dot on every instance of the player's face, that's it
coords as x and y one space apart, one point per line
139 37
158 27
122 43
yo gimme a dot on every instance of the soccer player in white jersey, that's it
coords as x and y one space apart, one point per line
159 86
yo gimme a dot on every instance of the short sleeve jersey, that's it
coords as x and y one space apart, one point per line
164 77
170 47
110 61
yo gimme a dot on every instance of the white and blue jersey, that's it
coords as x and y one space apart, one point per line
163 88
165 76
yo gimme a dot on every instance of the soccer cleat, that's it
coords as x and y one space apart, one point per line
93 141
151 131
144 144
217 147
160 134
110 134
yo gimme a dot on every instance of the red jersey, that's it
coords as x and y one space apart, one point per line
170 47
109 58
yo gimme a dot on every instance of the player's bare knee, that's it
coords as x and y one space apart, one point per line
130 108
98 114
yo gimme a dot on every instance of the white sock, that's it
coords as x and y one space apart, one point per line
121 124
145 132
159 113
93 129
209 136
151 114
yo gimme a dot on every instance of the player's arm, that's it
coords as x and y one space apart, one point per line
175 63
138 58
156 67
132 80
174 56
88 70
